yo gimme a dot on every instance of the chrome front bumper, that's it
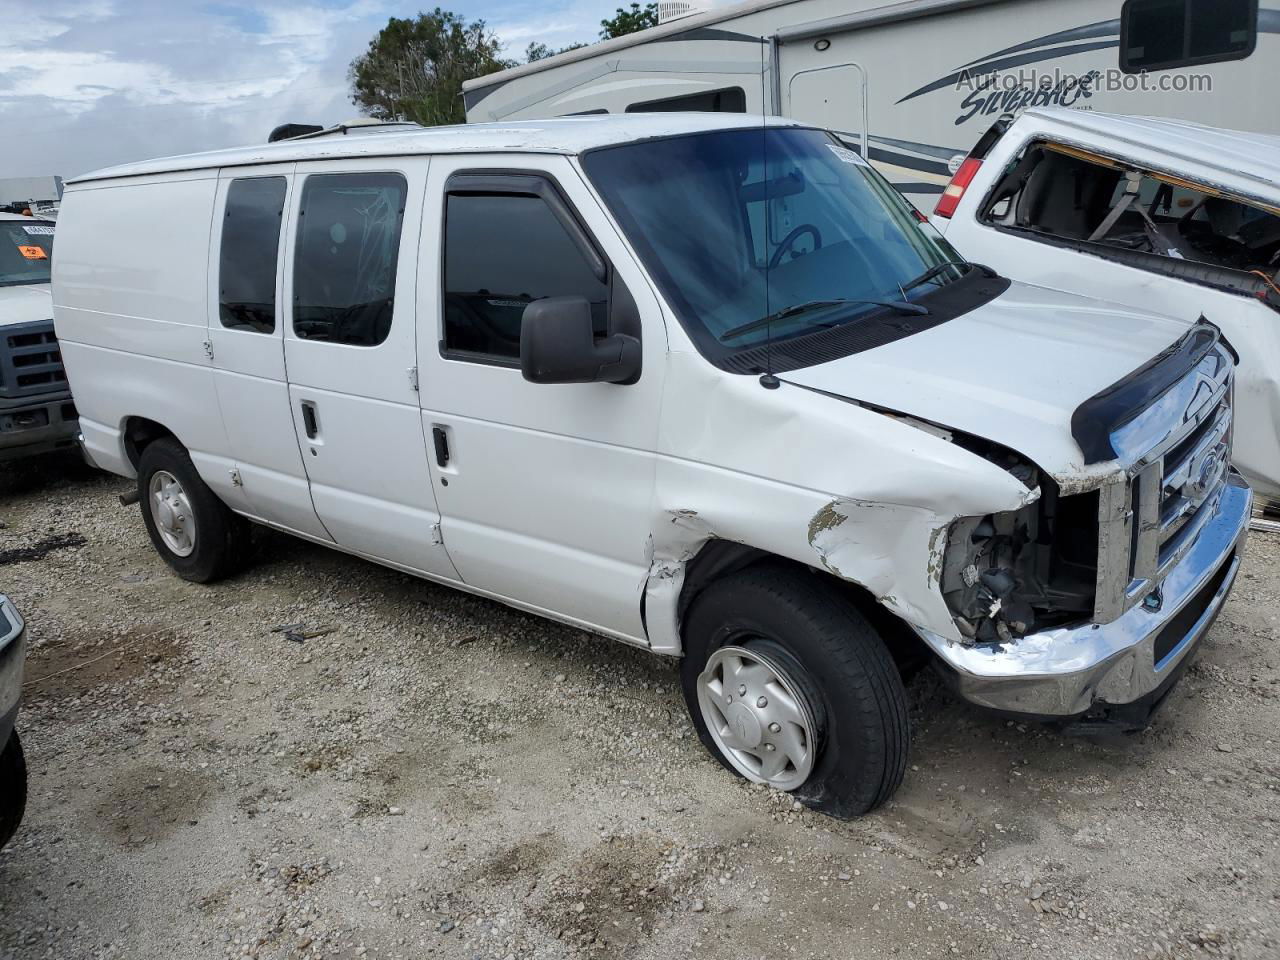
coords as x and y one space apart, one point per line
1067 672
13 651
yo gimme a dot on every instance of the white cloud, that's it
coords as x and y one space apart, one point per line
87 83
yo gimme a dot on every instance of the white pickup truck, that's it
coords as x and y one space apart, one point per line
36 411
1160 215
703 384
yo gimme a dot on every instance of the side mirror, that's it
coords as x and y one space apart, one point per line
558 345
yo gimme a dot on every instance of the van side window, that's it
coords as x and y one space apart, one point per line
1164 34
344 268
502 251
250 248
728 100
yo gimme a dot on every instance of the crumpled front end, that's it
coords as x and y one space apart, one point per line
1090 600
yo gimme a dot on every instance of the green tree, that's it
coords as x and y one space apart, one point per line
629 21
540 51
414 69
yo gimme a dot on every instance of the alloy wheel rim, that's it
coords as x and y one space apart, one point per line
758 717
171 510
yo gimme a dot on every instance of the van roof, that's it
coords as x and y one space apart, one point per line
1239 161
566 135
24 219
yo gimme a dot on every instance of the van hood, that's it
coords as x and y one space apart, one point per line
1012 371
25 303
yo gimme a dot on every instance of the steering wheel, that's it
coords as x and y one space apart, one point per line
790 239
485 325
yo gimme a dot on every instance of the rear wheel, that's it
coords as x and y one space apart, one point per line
195 532
13 787
789 685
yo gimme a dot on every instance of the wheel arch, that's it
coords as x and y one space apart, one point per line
138 433
718 559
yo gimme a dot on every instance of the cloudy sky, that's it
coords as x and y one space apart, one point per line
88 83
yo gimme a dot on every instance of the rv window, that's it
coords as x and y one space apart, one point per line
728 100
250 247
1164 34
502 251
1078 200
344 270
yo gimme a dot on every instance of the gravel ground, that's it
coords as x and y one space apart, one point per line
440 776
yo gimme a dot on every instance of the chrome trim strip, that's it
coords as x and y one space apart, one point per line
1134 540
1185 406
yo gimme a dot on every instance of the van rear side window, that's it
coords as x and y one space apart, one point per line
344 269
1165 34
250 248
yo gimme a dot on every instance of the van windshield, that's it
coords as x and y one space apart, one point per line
25 252
781 223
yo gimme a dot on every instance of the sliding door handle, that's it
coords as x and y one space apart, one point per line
441 441
309 420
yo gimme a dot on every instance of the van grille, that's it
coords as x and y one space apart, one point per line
1149 521
30 361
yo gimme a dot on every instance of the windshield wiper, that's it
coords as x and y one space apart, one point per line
902 306
938 268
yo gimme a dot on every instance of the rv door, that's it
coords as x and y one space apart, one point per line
830 96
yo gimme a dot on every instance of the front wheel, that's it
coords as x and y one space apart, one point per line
194 531
13 787
789 685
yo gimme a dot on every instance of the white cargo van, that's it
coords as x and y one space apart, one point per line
706 385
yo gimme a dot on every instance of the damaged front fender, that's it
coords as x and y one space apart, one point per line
819 481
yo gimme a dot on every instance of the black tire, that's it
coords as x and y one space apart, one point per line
13 787
222 537
841 665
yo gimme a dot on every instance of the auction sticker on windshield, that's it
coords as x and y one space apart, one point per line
32 252
845 155
39 230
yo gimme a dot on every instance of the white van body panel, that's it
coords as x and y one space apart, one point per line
131 317
367 463
1240 164
786 471
569 528
253 392
1017 344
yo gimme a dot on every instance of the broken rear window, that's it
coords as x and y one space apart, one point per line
1082 199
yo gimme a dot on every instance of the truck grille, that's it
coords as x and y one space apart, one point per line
30 361
1151 518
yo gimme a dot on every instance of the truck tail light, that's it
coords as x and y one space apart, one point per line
951 196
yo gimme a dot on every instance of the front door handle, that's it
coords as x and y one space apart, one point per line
441 441
309 421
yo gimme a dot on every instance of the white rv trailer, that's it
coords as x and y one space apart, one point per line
914 84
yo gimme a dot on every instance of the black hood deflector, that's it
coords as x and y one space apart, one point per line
1095 420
